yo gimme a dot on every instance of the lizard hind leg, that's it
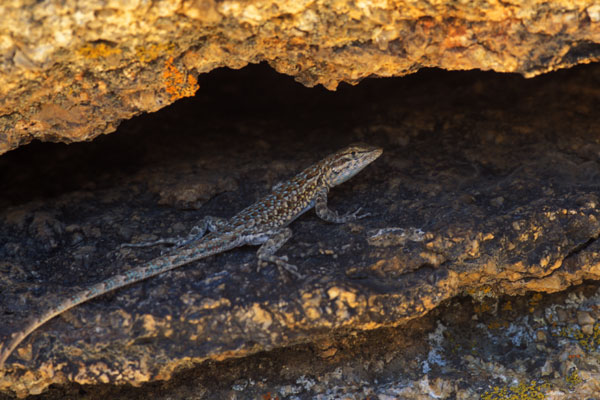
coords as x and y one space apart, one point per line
208 224
266 252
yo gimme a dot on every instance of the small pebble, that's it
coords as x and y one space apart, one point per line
588 329
585 318
541 336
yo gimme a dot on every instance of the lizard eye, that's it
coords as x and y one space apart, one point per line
353 154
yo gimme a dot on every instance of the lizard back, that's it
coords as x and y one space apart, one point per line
283 205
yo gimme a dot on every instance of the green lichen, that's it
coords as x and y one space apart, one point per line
453 346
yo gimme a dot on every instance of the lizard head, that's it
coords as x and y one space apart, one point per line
344 164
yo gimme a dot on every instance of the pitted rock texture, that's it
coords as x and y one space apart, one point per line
487 186
72 70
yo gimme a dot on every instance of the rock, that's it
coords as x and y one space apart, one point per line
547 369
587 329
73 70
534 143
562 315
585 318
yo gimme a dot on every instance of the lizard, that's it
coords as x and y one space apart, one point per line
264 224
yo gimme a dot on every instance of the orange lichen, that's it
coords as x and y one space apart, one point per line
482 308
507 306
534 301
498 325
178 84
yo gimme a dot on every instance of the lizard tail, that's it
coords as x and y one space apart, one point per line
154 267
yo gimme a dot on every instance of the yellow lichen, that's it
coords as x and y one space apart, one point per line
588 342
532 391
573 379
153 51
98 50
178 84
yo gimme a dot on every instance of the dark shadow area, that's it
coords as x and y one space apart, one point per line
272 108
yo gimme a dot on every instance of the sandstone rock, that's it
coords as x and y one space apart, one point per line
72 70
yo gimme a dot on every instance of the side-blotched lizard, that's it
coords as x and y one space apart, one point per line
264 223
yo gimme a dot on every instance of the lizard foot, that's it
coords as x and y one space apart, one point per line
282 265
355 215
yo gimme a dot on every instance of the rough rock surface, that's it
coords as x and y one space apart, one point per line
72 70
487 186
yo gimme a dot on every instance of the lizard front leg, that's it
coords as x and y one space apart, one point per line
266 252
208 224
329 215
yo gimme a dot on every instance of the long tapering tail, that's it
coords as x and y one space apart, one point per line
181 256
